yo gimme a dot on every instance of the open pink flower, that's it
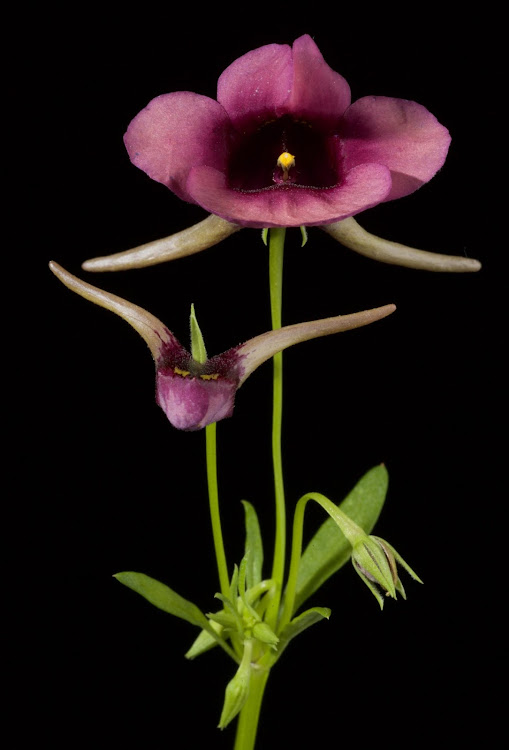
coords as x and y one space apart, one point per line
283 145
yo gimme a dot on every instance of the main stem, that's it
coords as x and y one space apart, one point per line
249 716
248 719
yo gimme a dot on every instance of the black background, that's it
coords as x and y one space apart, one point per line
108 485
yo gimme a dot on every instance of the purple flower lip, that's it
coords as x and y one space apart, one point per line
224 154
194 394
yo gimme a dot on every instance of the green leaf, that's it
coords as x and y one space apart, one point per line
329 550
254 546
164 598
299 624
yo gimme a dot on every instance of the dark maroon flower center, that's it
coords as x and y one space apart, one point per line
174 359
254 161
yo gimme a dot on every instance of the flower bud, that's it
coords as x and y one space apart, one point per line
237 689
375 560
264 633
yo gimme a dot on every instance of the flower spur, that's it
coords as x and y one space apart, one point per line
194 394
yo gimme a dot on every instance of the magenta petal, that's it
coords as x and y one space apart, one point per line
401 134
176 132
319 94
290 206
256 85
191 403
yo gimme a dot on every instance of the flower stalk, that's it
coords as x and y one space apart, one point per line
217 534
276 254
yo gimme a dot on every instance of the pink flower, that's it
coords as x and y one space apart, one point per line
283 145
194 394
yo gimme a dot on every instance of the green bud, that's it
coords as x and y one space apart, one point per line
237 689
264 633
376 563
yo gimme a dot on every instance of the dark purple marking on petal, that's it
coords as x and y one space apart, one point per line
253 162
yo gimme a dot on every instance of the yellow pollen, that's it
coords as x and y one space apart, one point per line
286 161
178 371
210 377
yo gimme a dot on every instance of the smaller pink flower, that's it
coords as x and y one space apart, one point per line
283 145
194 394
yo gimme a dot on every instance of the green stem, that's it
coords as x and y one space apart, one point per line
276 250
248 718
222 567
350 529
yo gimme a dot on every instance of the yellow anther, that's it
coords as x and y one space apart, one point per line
210 377
286 161
178 371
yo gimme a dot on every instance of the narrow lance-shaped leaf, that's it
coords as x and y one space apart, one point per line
204 642
299 624
169 601
329 550
163 597
254 546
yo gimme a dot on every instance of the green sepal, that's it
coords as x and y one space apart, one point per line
265 233
301 623
169 601
229 605
329 549
304 233
198 351
253 546
399 559
246 606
